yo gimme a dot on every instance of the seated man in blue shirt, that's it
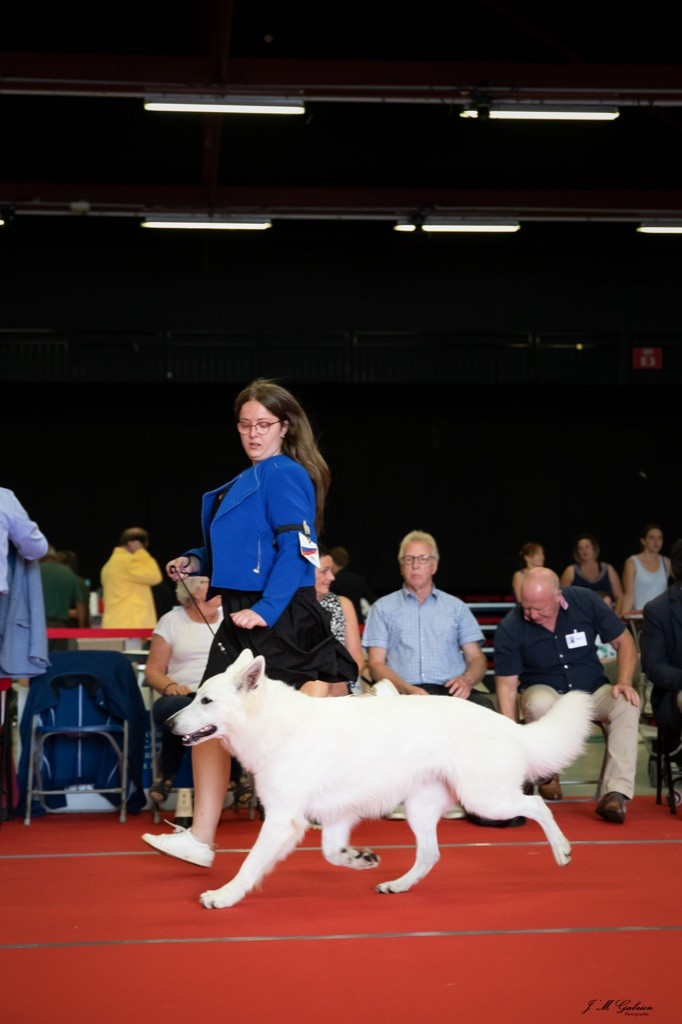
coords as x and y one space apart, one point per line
545 647
422 639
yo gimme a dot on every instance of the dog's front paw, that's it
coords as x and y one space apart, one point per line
353 857
389 887
217 899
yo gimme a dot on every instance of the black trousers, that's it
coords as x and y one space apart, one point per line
476 697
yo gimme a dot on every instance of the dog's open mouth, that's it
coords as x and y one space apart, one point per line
193 737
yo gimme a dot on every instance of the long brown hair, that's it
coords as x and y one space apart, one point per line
298 442
527 551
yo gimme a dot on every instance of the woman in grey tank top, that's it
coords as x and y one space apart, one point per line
645 575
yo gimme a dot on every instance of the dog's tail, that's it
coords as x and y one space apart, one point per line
558 738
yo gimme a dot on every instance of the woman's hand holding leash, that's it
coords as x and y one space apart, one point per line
247 619
182 567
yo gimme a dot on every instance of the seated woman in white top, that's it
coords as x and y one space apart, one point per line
645 575
177 658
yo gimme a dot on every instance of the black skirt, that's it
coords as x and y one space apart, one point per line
300 646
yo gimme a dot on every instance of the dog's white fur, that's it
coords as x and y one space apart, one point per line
341 760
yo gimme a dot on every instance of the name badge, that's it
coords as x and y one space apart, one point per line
309 550
576 639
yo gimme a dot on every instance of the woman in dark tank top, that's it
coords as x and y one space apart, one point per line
588 572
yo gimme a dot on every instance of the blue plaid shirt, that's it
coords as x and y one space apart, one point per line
422 641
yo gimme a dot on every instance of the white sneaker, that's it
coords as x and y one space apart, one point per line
455 812
396 815
183 844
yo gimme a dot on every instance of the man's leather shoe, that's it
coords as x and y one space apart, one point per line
549 789
611 807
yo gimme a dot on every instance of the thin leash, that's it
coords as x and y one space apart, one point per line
218 642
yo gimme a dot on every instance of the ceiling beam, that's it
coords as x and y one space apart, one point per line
295 203
132 77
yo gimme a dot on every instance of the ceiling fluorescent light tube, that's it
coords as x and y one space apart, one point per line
541 112
443 224
197 223
661 227
226 104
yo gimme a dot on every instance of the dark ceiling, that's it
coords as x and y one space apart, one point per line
383 84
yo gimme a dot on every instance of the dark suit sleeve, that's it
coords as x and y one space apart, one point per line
655 656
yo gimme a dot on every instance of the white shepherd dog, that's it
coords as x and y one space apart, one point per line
342 760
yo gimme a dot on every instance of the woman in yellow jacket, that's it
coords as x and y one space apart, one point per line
127 580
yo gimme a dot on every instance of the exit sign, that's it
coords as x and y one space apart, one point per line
647 359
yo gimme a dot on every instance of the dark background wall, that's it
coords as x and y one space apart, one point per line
302 276
444 378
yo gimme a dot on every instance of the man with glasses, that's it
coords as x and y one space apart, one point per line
422 639
426 642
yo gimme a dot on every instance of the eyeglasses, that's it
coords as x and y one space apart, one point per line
261 426
413 559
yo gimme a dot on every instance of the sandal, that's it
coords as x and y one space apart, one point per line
243 791
160 791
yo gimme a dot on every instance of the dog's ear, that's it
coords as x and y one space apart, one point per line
245 658
250 678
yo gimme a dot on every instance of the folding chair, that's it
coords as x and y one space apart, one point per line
664 756
81 734
77 720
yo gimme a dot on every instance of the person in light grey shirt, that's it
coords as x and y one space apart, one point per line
18 529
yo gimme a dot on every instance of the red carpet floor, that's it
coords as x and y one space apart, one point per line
98 927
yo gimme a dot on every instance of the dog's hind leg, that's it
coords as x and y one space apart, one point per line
277 838
504 805
336 849
423 810
535 807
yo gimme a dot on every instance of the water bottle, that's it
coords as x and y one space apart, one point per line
184 808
